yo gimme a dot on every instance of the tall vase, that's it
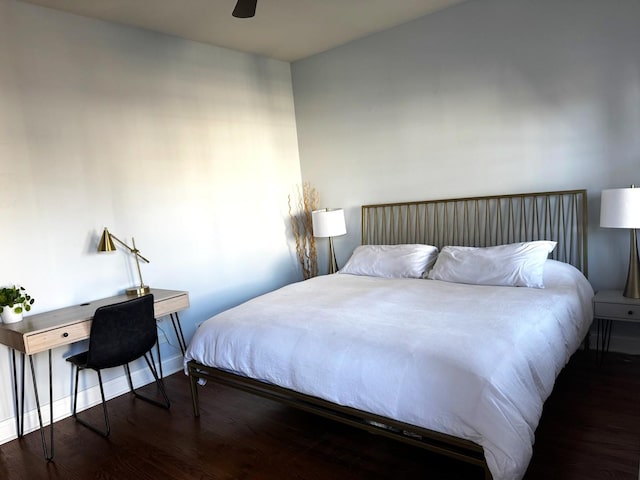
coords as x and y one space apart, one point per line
9 316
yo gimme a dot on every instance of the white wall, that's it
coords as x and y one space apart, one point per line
189 148
489 96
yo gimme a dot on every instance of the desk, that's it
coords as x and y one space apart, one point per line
48 330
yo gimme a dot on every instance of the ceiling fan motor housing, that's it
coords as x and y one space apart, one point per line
245 9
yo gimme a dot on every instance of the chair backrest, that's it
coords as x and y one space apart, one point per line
121 333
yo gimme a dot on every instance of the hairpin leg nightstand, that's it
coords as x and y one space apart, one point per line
611 306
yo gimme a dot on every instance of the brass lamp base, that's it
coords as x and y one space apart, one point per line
632 287
333 263
138 291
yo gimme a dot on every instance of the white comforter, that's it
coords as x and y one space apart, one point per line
476 362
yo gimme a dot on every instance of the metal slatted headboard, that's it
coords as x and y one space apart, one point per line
485 221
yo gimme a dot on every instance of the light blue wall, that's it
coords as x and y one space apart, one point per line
192 149
489 96
189 148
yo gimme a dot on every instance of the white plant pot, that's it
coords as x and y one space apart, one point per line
9 316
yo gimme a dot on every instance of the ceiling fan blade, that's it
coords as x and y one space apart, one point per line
245 9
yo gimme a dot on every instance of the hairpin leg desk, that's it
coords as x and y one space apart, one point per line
48 330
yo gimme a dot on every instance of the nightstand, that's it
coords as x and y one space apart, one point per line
610 306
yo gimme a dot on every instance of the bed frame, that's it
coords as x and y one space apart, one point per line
473 221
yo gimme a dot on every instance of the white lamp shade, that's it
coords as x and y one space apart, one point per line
620 208
328 223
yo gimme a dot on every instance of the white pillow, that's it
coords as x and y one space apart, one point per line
515 264
391 261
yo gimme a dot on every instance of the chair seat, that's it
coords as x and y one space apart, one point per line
79 359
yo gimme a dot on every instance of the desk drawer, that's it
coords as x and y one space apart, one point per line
171 305
617 311
56 337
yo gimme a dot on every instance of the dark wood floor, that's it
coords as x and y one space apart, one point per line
590 430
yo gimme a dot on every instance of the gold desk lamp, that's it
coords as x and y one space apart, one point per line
106 245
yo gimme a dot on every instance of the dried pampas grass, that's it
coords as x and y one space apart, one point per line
302 227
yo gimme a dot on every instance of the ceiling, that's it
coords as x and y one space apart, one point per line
287 30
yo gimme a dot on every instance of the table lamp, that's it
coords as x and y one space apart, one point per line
329 223
106 245
620 208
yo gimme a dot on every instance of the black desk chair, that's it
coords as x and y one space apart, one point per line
120 333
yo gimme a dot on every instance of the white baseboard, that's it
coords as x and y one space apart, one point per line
86 399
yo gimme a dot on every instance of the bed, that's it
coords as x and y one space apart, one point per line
456 366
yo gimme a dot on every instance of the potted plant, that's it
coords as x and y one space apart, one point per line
14 301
